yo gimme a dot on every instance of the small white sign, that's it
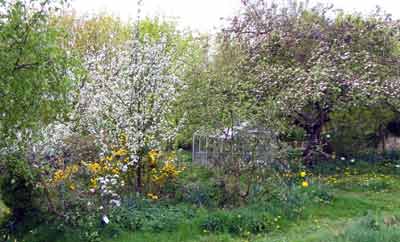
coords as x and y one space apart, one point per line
105 219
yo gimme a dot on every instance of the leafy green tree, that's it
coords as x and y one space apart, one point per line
36 71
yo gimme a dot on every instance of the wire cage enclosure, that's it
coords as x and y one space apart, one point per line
244 142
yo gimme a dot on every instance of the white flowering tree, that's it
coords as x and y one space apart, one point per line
310 64
130 94
124 104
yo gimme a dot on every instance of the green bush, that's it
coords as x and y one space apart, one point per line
17 189
127 218
136 214
249 222
201 194
216 222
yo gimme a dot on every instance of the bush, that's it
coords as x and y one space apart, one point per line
19 198
201 194
249 222
216 222
136 214
127 218
287 198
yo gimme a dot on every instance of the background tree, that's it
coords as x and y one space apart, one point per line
311 64
36 75
36 71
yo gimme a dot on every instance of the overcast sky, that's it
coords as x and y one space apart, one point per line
205 15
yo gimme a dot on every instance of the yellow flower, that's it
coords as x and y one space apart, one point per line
74 168
152 196
120 152
304 184
153 156
93 182
94 167
123 139
58 176
303 174
72 187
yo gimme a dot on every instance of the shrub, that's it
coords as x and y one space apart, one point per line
136 214
287 197
127 218
17 189
201 194
249 222
215 222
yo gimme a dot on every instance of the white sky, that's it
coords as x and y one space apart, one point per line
205 15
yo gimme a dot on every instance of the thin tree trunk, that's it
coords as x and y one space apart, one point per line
314 145
139 176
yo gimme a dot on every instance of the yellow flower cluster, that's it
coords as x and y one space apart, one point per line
72 186
62 175
94 167
152 196
304 183
170 169
93 182
109 165
153 156
120 152
58 176
167 172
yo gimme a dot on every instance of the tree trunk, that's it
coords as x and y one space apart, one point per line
139 176
312 145
314 149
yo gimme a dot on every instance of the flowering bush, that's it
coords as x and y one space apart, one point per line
163 173
97 186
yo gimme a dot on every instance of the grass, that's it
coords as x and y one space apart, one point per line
365 208
359 213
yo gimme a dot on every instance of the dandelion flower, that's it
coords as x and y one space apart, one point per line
304 184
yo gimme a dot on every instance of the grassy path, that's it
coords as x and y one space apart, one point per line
331 221
323 223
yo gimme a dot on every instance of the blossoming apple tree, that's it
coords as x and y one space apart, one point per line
124 105
310 64
130 94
